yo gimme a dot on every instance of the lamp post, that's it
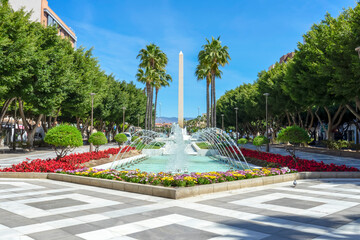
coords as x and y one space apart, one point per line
198 111
357 134
222 122
92 118
123 127
138 120
267 133
236 126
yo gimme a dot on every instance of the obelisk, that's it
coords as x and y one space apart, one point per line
181 91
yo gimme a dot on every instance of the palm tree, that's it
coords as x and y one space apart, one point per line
214 55
162 80
203 71
152 60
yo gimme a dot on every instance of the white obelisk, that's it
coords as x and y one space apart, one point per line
181 91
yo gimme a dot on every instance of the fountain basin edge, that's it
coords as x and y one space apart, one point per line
179 192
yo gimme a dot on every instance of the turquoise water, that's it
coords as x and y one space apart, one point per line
157 164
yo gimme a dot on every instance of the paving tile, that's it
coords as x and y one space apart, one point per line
174 232
56 234
81 228
294 203
58 203
294 234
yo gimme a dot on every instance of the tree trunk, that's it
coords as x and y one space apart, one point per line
288 118
43 124
208 81
78 123
311 120
331 120
32 132
321 122
156 94
4 109
353 111
300 121
151 107
214 100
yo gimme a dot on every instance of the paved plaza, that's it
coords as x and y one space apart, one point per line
338 160
8 159
47 209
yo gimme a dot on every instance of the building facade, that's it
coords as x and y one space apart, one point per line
45 15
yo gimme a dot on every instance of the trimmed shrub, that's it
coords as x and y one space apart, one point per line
295 135
120 138
242 141
98 139
259 141
134 138
64 139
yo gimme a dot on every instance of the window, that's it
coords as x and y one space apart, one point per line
51 21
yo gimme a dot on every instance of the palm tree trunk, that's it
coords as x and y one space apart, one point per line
147 106
156 94
207 104
151 107
214 100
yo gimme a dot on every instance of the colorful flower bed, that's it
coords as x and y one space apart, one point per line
176 180
70 162
300 165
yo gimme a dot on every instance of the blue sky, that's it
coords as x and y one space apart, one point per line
257 32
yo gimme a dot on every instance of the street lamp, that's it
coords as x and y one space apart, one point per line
138 120
198 111
222 122
236 128
358 50
92 118
123 108
267 133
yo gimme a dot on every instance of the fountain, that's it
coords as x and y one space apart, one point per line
179 153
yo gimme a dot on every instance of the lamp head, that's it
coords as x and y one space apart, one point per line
92 94
266 94
236 109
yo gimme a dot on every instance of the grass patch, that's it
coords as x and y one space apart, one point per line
203 145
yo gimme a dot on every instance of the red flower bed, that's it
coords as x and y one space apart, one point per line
300 165
69 162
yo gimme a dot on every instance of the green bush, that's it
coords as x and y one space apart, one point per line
120 138
98 139
295 135
259 141
242 141
64 138
134 138
337 145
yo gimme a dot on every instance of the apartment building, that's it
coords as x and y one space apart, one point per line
45 15
284 59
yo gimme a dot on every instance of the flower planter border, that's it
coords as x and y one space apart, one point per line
179 192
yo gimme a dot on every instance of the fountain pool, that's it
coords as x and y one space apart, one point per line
156 164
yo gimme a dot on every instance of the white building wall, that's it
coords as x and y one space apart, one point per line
34 5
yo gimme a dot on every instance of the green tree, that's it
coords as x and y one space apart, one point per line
260 141
214 55
98 139
120 138
203 71
152 63
64 138
294 135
